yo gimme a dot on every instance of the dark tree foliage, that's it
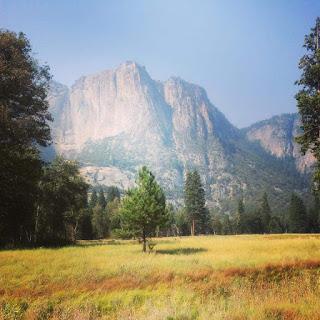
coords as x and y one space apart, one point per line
265 213
275 225
62 199
313 216
194 200
85 225
101 199
112 193
240 223
93 199
143 209
298 219
100 222
308 98
23 125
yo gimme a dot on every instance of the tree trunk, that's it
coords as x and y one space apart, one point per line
144 240
193 227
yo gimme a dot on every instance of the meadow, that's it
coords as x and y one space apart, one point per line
203 277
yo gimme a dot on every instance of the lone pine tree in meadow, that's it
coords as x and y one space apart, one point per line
308 98
194 199
143 209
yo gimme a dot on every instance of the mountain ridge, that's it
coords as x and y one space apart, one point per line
121 119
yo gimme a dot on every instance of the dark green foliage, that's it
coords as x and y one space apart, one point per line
85 226
275 225
143 209
101 199
114 214
100 222
313 218
93 199
112 194
62 197
240 226
308 98
23 125
298 219
194 201
265 213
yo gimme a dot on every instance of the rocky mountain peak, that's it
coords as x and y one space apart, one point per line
115 121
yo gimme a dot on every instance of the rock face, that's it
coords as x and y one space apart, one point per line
277 136
118 120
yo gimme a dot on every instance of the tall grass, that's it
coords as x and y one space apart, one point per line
213 277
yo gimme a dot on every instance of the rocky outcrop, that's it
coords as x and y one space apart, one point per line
277 136
116 121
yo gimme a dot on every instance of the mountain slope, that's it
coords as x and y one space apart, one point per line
277 136
116 121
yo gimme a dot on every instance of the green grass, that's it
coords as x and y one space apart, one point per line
214 277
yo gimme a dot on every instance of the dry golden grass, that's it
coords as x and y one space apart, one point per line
214 277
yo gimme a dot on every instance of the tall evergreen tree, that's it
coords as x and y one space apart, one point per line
298 219
265 213
308 98
93 199
313 219
24 120
240 217
194 199
101 199
143 209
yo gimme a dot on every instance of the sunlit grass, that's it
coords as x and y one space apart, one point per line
214 277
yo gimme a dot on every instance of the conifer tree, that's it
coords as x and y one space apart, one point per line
240 217
265 212
101 199
93 199
143 209
308 98
112 193
194 198
298 219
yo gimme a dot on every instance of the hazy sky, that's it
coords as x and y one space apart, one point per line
243 52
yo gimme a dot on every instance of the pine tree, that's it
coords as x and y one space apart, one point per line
194 198
298 219
265 213
112 193
93 199
308 98
240 217
143 209
101 199
313 225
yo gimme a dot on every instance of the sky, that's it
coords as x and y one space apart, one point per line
245 53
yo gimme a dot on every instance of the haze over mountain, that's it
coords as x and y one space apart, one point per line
117 120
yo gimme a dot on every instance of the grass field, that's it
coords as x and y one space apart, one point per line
214 277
